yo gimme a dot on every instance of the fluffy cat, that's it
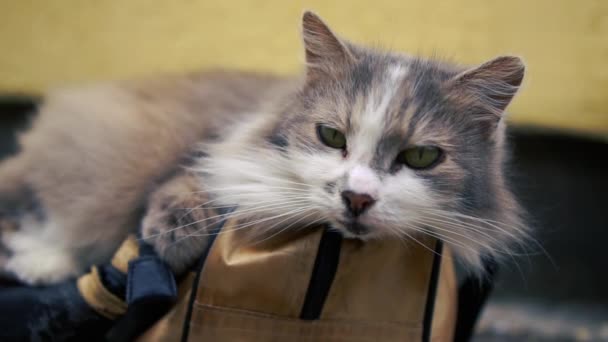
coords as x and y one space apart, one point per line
375 144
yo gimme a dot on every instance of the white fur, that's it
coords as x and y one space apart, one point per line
371 122
259 181
39 255
363 180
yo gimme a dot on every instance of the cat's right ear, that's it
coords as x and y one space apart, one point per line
494 83
325 53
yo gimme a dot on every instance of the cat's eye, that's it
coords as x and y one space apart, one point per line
331 137
419 157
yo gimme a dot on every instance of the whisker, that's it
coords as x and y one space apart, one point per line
443 237
239 212
285 228
495 224
223 199
235 228
420 243
275 216
493 247
458 224
205 207
452 241
456 243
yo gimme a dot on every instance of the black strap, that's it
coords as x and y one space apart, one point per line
323 273
50 313
431 293
150 293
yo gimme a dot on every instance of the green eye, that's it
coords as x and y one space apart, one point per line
419 157
331 137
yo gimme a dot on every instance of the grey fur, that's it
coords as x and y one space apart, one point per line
261 147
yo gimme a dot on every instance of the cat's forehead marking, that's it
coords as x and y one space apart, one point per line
370 122
382 92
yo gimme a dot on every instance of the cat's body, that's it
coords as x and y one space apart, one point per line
335 148
94 153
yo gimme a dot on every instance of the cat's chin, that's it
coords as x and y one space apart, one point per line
353 230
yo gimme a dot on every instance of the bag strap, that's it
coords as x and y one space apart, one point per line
431 294
323 273
150 292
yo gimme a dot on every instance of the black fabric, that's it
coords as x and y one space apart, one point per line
148 276
113 280
59 313
323 273
151 292
472 295
54 313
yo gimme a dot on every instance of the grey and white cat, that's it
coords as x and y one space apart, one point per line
376 144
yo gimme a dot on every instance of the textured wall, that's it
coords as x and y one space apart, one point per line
565 43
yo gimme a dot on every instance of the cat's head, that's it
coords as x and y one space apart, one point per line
383 145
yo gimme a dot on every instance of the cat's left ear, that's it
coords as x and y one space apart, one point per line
493 84
325 52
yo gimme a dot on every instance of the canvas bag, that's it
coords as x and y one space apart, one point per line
307 285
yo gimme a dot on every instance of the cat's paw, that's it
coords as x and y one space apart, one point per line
41 267
29 258
175 224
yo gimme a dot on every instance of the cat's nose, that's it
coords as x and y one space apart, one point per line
357 203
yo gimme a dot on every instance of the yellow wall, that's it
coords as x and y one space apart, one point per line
565 43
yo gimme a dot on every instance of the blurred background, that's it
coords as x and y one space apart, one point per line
559 123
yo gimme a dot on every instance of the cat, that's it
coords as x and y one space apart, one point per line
374 144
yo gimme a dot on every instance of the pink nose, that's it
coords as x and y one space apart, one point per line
357 203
